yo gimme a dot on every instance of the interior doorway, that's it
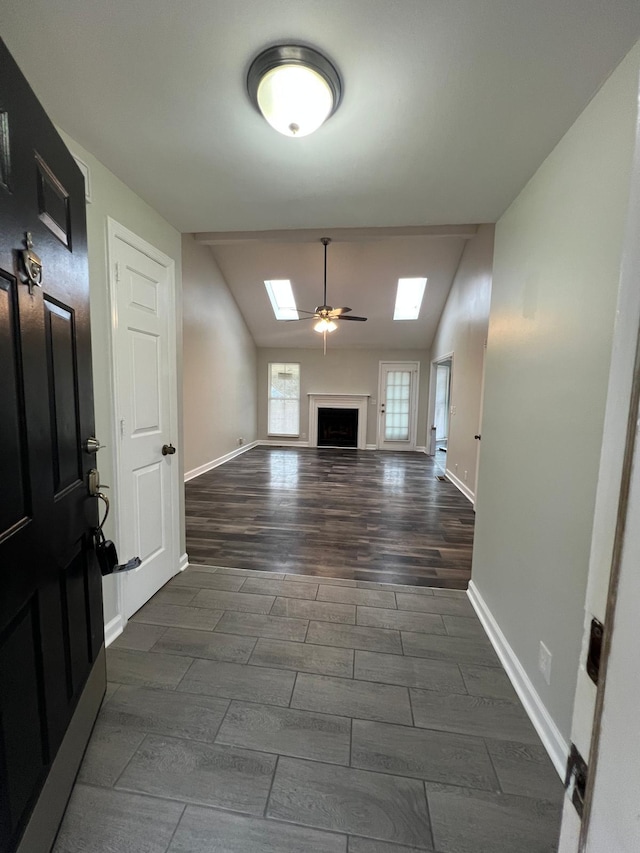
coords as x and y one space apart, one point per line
441 373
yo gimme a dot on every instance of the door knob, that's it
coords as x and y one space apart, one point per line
168 450
477 437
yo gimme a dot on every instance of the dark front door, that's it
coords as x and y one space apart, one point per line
51 629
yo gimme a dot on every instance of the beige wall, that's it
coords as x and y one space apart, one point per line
462 330
112 198
555 281
219 362
341 372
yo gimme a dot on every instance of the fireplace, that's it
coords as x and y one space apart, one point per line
337 427
338 404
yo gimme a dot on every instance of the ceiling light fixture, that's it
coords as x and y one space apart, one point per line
294 87
325 325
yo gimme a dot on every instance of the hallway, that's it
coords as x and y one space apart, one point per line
274 713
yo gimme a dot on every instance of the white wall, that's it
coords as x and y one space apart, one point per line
112 198
220 362
341 372
555 281
615 817
462 330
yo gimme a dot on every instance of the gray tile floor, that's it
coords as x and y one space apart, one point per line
278 714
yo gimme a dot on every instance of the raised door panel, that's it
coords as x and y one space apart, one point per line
145 384
63 399
15 503
148 490
23 741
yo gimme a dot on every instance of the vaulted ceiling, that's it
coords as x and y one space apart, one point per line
449 107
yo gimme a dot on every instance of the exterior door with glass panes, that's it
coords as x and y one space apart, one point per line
398 405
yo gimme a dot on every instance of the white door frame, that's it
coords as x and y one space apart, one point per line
448 356
415 403
479 447
116 231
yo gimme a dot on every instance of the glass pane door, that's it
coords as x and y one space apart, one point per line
398 405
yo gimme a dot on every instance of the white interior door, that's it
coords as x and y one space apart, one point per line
145 386
398 405
443 395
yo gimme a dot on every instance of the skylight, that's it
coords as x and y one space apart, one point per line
282 299
409 298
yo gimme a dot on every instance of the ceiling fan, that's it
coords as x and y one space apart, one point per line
325 314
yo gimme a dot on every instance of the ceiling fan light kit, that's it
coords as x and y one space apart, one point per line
325 315
325 325
295 88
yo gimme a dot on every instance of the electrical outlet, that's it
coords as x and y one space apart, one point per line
240 442
544 662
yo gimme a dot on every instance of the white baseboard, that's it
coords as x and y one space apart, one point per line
421 449
113 629
183 562
208 466
371 447
548 732
462 487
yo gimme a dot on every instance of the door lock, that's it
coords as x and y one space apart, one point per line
92 445
94 483
168 450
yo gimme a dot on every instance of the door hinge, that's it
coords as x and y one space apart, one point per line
117 271
575 782
121 427
596 634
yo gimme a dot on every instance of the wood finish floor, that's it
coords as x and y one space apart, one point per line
360 515
253 712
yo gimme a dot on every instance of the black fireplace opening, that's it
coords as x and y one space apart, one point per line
337 427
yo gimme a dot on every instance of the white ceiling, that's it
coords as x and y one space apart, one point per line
449 107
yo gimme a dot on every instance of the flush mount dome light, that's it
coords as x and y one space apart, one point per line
294 87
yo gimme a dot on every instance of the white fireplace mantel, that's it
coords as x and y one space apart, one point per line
338 401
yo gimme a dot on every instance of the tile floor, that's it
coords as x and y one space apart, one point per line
251 713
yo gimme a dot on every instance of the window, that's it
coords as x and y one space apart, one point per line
284 399
282 299
409 298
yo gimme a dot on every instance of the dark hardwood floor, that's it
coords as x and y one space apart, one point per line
360 515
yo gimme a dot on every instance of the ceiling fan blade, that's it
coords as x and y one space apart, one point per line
350 317
300 311
335 312
300 319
